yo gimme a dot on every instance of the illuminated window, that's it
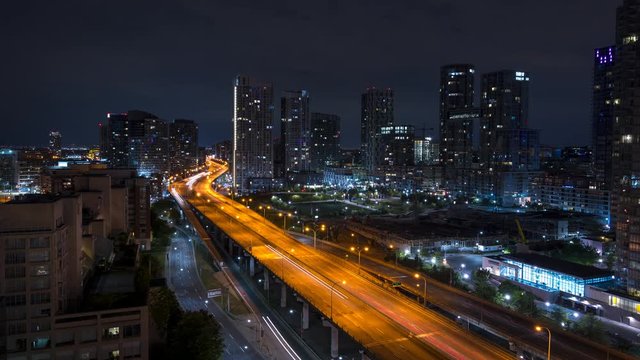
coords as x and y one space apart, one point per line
110 333
630 39
627 139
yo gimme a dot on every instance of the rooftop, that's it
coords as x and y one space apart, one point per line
565 267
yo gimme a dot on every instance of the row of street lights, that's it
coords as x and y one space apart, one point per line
359 250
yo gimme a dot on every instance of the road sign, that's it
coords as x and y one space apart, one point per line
397 284
214 293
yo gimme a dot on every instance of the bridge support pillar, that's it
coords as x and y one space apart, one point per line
266 279
305 313
230 246
283 295
363 356
334 337
252 266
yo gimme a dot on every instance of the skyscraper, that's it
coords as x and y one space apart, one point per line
252 131
325 140
138 140
8 169
626 144
55 143
456 115
295 130
377 111
426 151
183 139
603 107
504 106
398 146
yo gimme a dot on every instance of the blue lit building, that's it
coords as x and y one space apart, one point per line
546 273
8 169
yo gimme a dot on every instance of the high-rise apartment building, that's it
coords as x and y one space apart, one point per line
55 143
457 114
183 150
426 151
626 144
504 106
398 146
295 128
138 140
603 113
377 111
8 169
222 150
325 140
252 132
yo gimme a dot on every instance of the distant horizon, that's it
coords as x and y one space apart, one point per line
181 62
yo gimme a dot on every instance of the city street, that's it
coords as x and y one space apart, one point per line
185 282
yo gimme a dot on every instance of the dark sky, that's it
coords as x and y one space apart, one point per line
65 64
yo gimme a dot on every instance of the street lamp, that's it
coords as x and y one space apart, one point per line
539 329
333 284
359 250
417 276
315 236
264 211
395 252
284 218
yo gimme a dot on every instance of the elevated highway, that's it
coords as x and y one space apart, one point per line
388 326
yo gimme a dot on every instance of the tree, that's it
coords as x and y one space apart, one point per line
525 304
577 253
590 327
197 337
559 316
483 287
164 309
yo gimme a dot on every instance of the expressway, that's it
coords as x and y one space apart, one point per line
566 345
388 326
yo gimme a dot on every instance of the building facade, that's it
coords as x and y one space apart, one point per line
8 170
183 150
603 118
139 140
252 131
397 146
456 116
504 104
295 128
427 151
55 143
377 111
325 140
626 144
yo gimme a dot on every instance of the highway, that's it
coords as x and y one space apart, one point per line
565 345
387 325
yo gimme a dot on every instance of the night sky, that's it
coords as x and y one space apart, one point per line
65 64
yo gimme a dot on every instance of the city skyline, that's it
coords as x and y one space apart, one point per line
108 74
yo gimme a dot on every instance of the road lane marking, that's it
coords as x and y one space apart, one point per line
281 339
322 282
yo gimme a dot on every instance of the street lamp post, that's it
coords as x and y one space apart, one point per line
333 284
359 250
284 218
539 328
264 212
395 251
315 235
417 276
